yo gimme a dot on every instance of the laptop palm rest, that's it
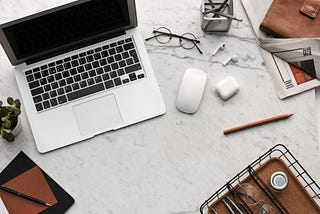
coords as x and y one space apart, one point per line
97 115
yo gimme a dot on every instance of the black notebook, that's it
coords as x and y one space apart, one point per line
24 176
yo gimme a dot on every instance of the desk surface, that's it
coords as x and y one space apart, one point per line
172 163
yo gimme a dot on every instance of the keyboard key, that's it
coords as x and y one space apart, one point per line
59 62
113 74
118 57
82 61
37 91
75 86
88 67
113 44
45 96
59 68
89 58
36 70
104 54
105 76
39 107
132 76
90 81
140 76
67 65
58 76
129 61
103 62
128 40
73 71
77 78
85 91
69 80
92 73
80 69
51 64
89 52
105 47
114 66
128 46
67 89
53 93
119 49
60 91
107 68
53 102
45 73
97 56
65 74
75 63
47 87
82 54
110 59
133 53
125 81
122 64
112 51
83 83
37 75
52 70
121 72
109 84
37 98
97 50
30 78
43 81
121 42
99 71
132 68
98 79
54 85
75 57
62 99
95 64
28 72
34 84
84 75
44 67
125 55
62 83
50 79
68 59
46 104
117 81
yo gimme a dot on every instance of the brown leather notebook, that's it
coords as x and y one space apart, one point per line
293 19
31 183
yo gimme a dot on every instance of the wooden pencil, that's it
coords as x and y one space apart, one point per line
256 123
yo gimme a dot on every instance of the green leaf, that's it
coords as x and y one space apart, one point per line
10 100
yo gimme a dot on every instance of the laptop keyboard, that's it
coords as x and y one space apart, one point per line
103 68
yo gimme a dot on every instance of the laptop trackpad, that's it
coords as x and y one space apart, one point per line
97 115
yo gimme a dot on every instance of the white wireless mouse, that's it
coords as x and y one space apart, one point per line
191 90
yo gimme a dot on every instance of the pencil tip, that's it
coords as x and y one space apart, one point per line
289 115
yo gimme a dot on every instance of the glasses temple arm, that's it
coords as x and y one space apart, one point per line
177 36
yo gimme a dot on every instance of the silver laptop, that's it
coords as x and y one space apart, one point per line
82 69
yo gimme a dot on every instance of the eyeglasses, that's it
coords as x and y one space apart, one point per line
247 195
164 35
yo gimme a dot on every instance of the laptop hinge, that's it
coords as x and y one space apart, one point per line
72 47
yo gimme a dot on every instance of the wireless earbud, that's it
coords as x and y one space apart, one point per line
220 47
233 58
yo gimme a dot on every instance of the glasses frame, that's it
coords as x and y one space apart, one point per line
180 37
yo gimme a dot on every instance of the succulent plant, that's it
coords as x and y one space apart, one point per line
9 118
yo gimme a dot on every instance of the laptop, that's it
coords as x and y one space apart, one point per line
82 69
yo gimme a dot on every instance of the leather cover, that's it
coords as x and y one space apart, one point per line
293 19
22 174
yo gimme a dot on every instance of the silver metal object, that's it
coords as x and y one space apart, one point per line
279 180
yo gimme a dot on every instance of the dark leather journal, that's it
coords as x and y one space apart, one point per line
24 176
293 19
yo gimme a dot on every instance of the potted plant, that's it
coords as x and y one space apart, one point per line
9 123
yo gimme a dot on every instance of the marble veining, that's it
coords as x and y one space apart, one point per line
172 163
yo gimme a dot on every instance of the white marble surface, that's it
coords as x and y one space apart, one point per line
172 163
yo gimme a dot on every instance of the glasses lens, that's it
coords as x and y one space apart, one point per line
162 35
188 42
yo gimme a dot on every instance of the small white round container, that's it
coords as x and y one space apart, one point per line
279 181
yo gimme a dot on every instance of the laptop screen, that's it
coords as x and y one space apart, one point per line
63 26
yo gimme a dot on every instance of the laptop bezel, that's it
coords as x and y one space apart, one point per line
65 48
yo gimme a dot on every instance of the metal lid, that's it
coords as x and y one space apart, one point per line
279 180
